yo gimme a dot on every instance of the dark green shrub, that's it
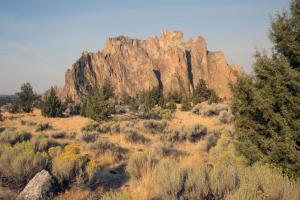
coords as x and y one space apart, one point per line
98 104
175 97
26 98
213 97
52 106
58 135
201 93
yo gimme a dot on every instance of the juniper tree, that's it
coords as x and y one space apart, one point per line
52 106
267 104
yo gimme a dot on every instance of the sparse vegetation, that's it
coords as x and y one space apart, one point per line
155 126
43 127
135 137
190 133
13 136
103 146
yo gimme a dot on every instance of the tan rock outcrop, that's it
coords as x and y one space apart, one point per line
133 65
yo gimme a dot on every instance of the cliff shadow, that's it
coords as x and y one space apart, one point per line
158 76
190 67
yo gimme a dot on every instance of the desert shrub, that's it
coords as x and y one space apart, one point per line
197 184
14 136
113 195
170 106
191 133
197 108
68 165
140 163
164 150
214 109
98 104
91 126
104 146
155 126
13 107
151 97
223 180
186 104
115 128
263 182
43 144
169 178
174 96
27 123
19 163
135 137
87 136
91 174
211 140
225 117
52 106
43 127
58 135
55 151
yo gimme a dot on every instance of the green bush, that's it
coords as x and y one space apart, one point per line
213 97
26 98
19 163
141 163
151 97
14 136
52 106
43 144
98 104
174 97
68 165
170 179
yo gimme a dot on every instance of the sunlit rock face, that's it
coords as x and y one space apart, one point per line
133 65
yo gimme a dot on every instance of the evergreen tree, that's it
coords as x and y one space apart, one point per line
26 98
267 105
97 104
52 106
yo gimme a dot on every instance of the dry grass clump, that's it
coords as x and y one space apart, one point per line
68 165
155 126
19 163
191 133
115 195
197 184
135 137
43 127
209 110
90 127
14 136
141 163
27 123
225 117
42 143
169 178
104 146
211 140
87 136
163 150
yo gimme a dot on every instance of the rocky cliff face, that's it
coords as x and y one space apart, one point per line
133 65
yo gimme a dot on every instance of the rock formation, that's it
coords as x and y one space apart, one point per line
133 65
40 187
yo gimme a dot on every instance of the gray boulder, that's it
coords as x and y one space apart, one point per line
40 187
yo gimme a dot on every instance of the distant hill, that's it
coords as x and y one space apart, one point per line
5 99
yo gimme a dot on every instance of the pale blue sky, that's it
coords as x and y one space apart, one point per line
40 39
